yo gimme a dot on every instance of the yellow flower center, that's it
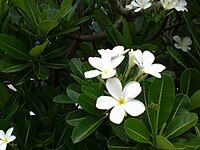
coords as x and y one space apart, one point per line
5 140
105 71
121 101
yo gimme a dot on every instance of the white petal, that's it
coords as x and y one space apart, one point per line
114 87
117 61
129 7
177 46
3 146
131 90
10 86
148 58
12 138
147 6
109 73
96 62
92 73
9 132
135 4
181 8
186 48
187 41
104 52
118 50
138 57
155 70
2 134
117 114
105 102
177 39
138 9
134 107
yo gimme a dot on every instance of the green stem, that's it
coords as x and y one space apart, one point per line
101 80
138 75
142 77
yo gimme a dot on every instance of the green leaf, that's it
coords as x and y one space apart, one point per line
180 124
74 91
115 143
88 104
13 47
10 111
74 117
42 72
86 127
189 80
160 102
91 90
46 26
120 131
75 66
101 18
54 51
79 80
115 37
163 143
4 96
58 63
192 29
9 65
126 32
37 50
149 47
181 104
63 99
136 130
178 57
195 100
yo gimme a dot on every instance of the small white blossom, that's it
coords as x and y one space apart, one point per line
139 5
6 138
117 51
31 113
179 5
121 100
105 66
10 86
145 62
183 44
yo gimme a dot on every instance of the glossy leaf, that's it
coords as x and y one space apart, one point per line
63 99
74 117
189 80
13 47
92 91
86 127
180 124
74 91
137 130
163 143
75 66
37 50
160 101
195 100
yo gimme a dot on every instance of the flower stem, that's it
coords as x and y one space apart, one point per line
142 77
138 75
101 80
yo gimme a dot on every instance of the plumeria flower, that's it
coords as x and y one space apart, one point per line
105 66
145 62
183 44
115 52
179 5
6 138
121 100
139 5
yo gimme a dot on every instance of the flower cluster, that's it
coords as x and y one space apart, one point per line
122 100
6 138
138 5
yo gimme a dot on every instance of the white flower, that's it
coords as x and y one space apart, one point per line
179 5
145 62
115 52
129 7
31 113
183 44
105 66
6 138
139 5
122 101
10 86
